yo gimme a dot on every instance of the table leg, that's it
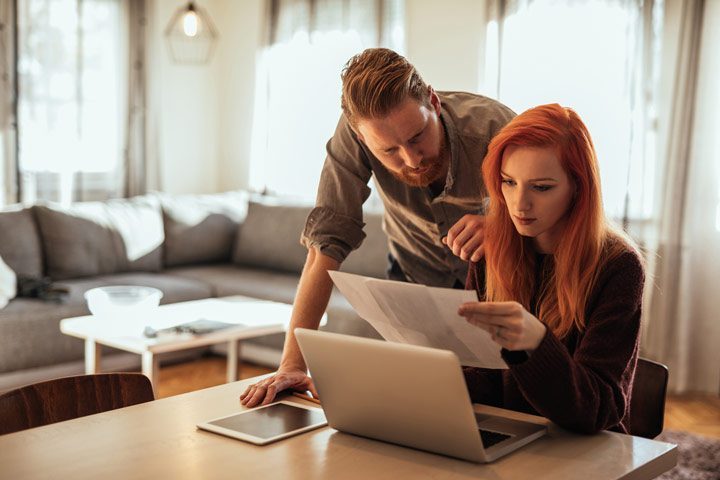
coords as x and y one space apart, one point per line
151 368
92 356
233 355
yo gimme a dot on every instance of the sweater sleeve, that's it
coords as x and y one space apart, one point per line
589 390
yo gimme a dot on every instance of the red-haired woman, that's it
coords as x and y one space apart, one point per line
562 289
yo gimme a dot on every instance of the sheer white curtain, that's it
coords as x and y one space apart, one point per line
681 327
595 56
298 86
80 106
7 107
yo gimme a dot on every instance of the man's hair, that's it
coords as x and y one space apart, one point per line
378 80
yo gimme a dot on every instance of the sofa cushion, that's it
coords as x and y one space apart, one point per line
20 244
201 228
270 237
96 238
371 259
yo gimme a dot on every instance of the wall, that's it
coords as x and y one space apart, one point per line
446 43
200 123
241 24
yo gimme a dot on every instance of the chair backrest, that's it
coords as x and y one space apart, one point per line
647 407
71 397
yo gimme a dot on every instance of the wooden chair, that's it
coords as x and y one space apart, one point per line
71 397
647 407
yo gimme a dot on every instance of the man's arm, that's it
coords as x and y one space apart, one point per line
310 303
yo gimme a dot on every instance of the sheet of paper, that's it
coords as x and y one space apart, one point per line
420 315
356 292
485 351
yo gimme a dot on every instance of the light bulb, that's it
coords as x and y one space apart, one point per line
190 23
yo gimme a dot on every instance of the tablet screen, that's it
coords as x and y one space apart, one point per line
272 421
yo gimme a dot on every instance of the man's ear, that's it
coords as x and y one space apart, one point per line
357 133
434 100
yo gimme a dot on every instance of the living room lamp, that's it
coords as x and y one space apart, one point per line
191 35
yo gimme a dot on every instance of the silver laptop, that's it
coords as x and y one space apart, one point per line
407 395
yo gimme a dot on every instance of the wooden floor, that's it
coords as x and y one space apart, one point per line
692 413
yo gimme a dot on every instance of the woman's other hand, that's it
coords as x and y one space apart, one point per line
510 325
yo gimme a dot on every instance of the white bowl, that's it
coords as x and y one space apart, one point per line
122 301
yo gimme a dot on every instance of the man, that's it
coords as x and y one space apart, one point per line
425 150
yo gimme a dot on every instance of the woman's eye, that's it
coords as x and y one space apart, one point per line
543 188
508 182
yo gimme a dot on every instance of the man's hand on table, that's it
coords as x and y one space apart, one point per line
265 391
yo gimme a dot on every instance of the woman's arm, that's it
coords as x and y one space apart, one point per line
589 390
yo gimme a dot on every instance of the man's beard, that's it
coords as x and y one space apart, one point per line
435 169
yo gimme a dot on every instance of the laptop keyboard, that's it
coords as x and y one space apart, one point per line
491 438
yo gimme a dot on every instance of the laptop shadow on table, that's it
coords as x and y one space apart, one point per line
344 445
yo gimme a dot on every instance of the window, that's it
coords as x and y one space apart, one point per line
592 56
299 86
71 109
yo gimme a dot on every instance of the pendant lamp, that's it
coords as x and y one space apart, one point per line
191 35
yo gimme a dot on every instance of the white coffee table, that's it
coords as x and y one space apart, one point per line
253 317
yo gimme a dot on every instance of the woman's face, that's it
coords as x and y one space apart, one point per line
537 192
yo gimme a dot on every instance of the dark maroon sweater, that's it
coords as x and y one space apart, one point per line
582 382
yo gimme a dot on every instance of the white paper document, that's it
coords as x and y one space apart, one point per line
420 315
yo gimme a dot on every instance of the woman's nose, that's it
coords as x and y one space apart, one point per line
523 202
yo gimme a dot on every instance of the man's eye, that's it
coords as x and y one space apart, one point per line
390 151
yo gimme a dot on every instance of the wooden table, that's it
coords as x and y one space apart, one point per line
254 318
159 440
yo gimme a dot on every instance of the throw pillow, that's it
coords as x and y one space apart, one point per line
7 284
270 237
96 238
202 228
371 258
20 245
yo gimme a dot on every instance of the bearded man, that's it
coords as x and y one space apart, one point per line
424 150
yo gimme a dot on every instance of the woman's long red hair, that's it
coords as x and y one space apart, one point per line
583 247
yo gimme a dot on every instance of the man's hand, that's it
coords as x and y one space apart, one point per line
267 389
510 325
466 237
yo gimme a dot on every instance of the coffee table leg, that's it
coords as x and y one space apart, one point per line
92 356
151 368
233 355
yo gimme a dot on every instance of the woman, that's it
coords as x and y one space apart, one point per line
562 289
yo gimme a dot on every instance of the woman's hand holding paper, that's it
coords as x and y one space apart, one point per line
509 324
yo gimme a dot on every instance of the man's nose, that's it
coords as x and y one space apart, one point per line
411 157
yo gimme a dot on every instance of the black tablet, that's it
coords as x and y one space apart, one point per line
268 423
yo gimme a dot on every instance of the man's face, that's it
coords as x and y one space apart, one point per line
409 141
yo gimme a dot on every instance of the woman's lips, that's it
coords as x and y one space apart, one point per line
524 221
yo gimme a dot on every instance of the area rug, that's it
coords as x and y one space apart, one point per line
698 457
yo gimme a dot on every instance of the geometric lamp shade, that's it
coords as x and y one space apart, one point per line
191 35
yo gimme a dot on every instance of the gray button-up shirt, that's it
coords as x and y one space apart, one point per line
415 221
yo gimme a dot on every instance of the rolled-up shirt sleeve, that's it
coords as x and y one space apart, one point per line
335 225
